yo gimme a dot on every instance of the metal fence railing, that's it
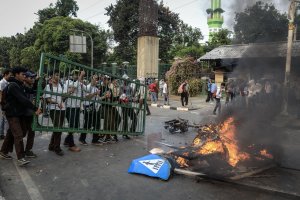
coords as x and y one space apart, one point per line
77 98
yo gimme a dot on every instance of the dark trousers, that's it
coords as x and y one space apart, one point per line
112 118
184 98
141 102
29 132
218 105
14 135
209 96
57 117
129 112
73 117
91 116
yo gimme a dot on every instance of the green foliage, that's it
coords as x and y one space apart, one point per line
182 70
187 36
54 38
220 38
14 56
123 19
195 85
5 46
184 51
64 8
260 23
30 58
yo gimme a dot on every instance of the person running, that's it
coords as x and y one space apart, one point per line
15 107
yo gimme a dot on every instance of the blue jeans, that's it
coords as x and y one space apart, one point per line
3 123
153 97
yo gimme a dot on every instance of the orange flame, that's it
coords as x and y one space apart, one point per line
182 162
212 147
227 134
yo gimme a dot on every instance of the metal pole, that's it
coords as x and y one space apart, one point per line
291 15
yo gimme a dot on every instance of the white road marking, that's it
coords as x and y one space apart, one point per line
30 186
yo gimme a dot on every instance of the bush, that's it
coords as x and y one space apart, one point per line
182 70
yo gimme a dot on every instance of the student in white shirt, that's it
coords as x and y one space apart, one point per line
74 87
165 93
218 98
3 83
91 118
57 109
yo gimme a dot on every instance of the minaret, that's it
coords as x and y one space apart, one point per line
215 18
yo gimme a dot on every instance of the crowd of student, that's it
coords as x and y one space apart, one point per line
97 97
247 94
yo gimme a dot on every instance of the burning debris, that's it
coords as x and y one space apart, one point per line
215 151
178 125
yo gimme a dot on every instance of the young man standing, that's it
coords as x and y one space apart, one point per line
17 103
74 87
185 93
91 119
218 98
3 83
30 90
57 110
166 93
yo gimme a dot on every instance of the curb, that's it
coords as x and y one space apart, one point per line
172 108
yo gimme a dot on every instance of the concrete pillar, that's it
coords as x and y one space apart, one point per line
147 56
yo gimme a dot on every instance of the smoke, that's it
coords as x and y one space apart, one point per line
233 7
258 114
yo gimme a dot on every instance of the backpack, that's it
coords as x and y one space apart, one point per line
180 88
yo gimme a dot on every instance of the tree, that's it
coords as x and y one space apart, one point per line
168 27
64 8
260 23
124 23
14 57
220 38
30 58
54 38
5 46
187 35
123 19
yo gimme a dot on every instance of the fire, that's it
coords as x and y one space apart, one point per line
266 154
227 134
223 141
182 162
212 147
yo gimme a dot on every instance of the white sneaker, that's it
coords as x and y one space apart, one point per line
23 162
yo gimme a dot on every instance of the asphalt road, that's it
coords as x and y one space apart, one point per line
100 172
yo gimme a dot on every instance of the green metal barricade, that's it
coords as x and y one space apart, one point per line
77 98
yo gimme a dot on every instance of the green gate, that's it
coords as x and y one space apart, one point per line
77 98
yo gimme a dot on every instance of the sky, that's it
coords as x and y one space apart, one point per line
17 16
